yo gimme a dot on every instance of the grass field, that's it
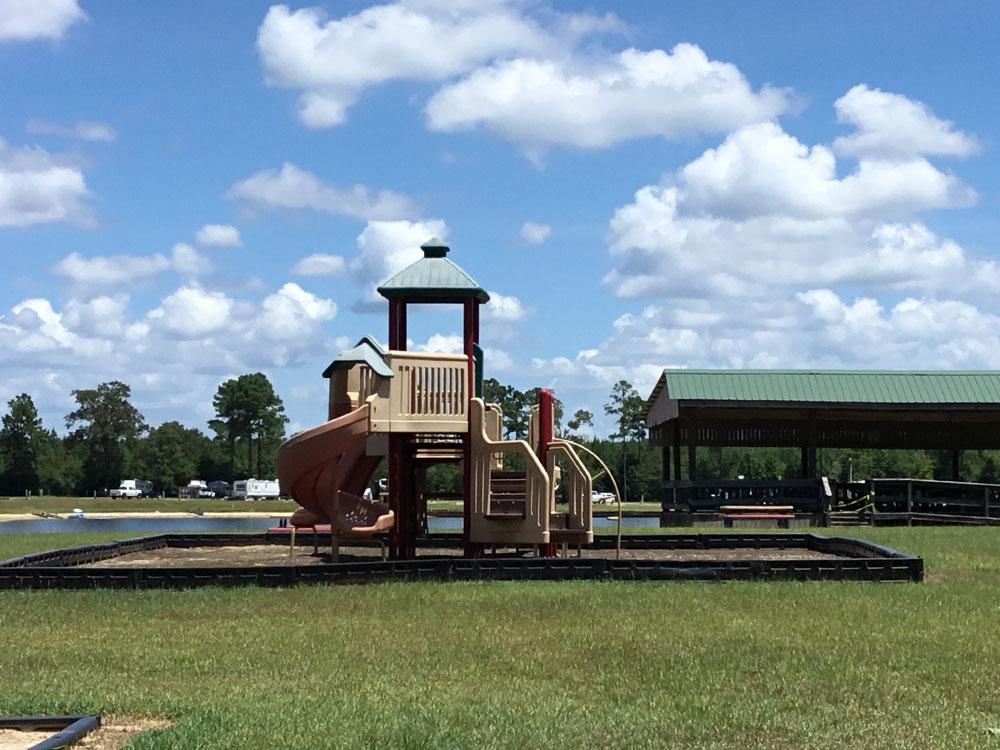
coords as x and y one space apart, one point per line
511 665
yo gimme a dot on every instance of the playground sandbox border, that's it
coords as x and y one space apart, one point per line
66 730
857 560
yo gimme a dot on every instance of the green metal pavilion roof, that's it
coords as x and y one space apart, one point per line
433 278
831 386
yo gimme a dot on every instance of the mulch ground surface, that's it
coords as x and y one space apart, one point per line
272 554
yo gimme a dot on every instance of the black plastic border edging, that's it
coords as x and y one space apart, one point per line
856 560
68 728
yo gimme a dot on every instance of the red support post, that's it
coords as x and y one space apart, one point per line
397 325
470 337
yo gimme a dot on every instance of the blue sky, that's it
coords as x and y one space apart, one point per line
190 191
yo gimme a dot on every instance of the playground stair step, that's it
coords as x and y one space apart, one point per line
508 495
506 509
437 453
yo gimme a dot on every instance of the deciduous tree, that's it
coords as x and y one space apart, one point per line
104 424
248 411
19 435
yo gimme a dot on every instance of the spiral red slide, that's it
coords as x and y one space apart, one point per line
326 469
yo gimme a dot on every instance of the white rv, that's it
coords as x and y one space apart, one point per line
246 489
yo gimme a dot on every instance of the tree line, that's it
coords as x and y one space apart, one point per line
107 439
637 465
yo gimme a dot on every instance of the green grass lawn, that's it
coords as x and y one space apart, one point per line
46 504
525 665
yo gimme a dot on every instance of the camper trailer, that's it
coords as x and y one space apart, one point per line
250 489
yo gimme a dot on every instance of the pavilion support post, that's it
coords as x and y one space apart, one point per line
956 465
805 462
692 462
665 459
677 450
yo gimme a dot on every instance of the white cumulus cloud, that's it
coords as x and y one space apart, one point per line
192 312
85 130
295 188
504 308
387 247
110 269
891 125
39 188
332 61
320 264
291 312
22 20
187 261
534 233
218 235
592 104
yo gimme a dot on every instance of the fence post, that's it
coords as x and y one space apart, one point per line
986 501
909 502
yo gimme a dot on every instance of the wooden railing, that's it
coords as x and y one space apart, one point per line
534 527
427 393
578 484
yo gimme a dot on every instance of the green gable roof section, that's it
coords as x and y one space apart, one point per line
889 387
366 352
433 278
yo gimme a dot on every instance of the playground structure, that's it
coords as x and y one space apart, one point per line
415 409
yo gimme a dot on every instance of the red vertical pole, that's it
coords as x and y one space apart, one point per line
397 325
542 449
470 336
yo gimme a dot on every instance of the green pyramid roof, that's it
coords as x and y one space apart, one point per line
366 352
433 278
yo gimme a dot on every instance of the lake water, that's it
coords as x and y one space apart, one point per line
220 525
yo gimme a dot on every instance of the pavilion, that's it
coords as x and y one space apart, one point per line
811 409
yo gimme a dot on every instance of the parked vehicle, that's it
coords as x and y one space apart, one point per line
133 488
246 489
220 488
196 488
602 498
